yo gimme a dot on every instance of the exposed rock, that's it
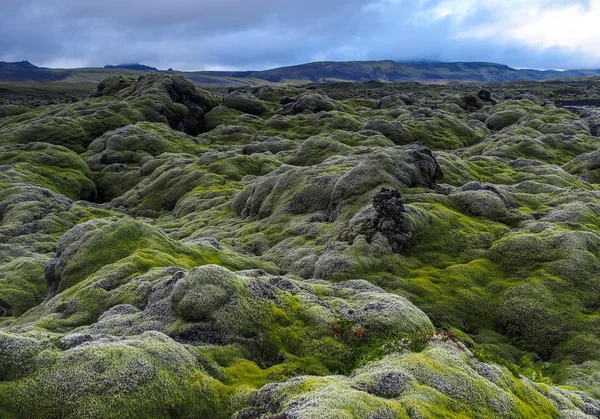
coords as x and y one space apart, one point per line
389 220
486 96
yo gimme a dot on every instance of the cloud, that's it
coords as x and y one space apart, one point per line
257 34
553 28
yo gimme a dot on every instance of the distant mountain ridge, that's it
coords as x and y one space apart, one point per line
138 67
392 71
25 71
316 72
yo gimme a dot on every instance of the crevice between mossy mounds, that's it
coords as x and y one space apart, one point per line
51 276
5 309
100 197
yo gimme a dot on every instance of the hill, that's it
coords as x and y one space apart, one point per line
318 72
392 71
25 71
138 67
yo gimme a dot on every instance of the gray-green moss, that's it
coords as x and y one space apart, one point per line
247 270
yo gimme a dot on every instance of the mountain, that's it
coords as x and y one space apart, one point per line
318 72
392 71
25 71
137 67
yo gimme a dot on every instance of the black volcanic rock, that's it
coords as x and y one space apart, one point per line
389 220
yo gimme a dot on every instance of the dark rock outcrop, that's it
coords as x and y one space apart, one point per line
389 220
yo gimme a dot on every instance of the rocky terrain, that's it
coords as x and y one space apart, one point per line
326 251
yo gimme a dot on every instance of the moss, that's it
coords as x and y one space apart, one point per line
438 382
316 149
112 85
179 182
144 139
22 285
492 169
203 291
219 240
302 126
245 103
98 259
583 376
501 119
118 157
109 379
221 115
169 99
394 101
442 130
526 143
73 127
276 93
580 348
98 243
482 203
586 166
313 102
49 166
12 110
395 131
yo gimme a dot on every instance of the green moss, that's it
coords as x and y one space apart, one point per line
169 99
22 285
245 245
221 115
302 126
582 376
442 130
111 85
245 103
316 149
49 166
11 110
438 382
111 379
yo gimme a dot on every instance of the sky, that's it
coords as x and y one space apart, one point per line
261 34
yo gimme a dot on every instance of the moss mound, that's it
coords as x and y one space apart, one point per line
371 250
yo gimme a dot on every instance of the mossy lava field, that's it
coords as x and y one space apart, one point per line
335 250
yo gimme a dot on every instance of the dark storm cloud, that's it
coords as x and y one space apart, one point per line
255 34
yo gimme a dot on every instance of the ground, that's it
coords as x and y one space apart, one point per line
341 250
